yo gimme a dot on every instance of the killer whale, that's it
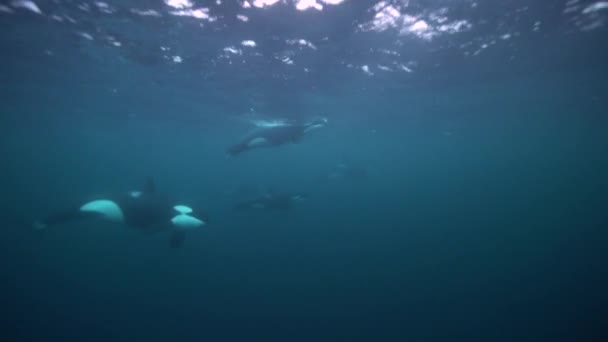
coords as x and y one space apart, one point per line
271 201
343 170
274 136
145 210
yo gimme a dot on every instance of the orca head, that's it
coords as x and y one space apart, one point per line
186 219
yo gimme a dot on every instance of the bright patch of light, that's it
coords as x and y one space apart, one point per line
242 17
302 42
145 13
386 17
180 4
177 59
113 41
384 68
302 5
28 5
85 35
420 25
598 6
200 13
104 7
455 27
405 68
246 4
389 15
389 52
421 29
270 123
232 50
366 70
249 43
505 36
262 3
333 2
306 43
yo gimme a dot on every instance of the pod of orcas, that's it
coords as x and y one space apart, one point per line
150 211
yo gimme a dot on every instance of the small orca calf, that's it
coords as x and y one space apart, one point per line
271 201
145 210
275 135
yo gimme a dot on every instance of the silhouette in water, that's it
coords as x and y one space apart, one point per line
145 210
275 136
271 201
344 170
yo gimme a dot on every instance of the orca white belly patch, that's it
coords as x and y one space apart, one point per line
184 220
108 209
182 209
257 142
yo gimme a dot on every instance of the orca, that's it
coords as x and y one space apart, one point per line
271 201
275 135
145 210
344 170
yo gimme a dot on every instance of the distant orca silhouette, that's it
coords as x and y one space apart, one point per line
275 136
344 171
271 201
146 210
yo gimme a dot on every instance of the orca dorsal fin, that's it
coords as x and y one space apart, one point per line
149 186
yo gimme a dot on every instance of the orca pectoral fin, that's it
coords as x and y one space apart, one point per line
177 238
17 221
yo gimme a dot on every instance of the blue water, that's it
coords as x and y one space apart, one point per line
481 127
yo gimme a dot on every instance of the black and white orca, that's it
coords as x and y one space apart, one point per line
271 201
145 210
275 136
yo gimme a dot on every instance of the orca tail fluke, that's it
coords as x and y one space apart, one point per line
177 239
237 149
61 217
21 221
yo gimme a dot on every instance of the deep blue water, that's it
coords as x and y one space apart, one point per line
480 126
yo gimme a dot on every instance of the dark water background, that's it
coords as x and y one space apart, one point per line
483 217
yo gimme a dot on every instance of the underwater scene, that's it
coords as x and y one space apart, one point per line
304 170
